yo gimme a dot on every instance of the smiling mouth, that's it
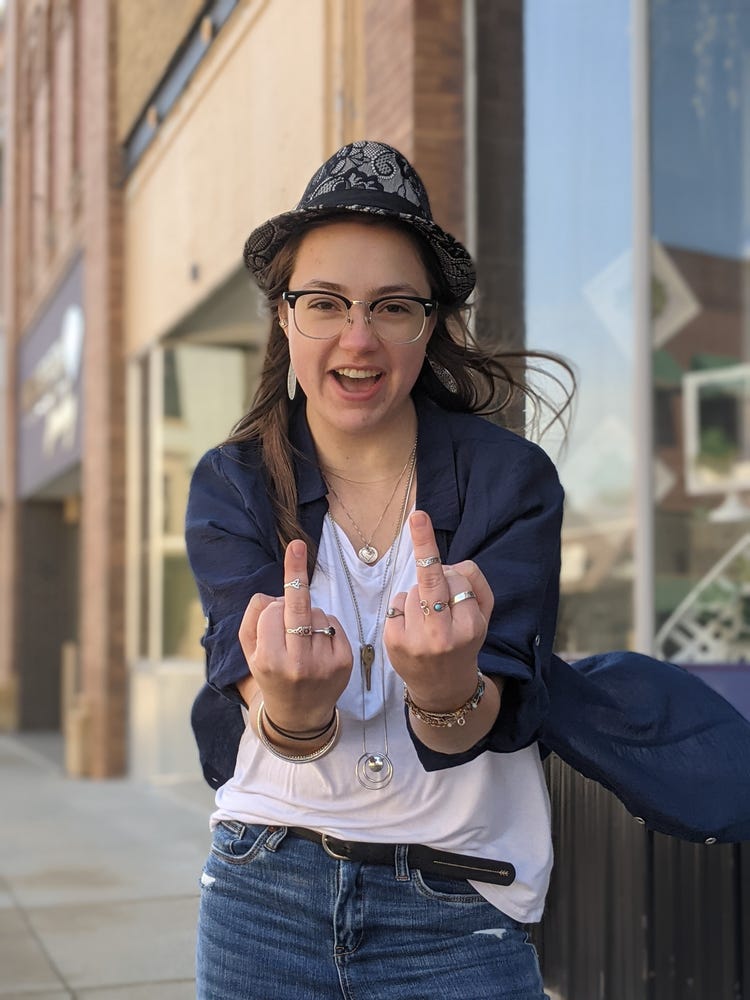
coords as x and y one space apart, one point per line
357 378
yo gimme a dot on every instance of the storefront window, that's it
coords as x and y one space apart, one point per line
190 397
578 293
700 126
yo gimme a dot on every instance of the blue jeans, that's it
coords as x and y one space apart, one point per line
281 920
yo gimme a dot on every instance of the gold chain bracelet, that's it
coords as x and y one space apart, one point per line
447 719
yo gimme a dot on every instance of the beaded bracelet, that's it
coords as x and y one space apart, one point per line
447 719
304 735
297 758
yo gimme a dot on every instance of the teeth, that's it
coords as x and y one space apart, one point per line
356 373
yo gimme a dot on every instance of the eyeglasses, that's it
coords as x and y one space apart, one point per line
394 319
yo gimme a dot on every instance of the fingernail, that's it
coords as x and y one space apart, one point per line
298 549
418 519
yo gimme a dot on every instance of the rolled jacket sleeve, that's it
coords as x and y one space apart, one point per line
510 526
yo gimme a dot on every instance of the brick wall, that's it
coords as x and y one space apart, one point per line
102 598
9 505
414 94
62 198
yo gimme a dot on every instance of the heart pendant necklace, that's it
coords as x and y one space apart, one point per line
368 553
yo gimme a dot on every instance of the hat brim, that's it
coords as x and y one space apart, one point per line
266 240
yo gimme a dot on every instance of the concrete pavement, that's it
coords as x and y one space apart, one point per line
98 881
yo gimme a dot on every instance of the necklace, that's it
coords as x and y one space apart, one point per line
375 770
368 553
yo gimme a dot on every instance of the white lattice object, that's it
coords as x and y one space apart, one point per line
712 624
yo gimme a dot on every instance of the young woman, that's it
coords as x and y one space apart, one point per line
379 571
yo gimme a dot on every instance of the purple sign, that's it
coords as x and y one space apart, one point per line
49 374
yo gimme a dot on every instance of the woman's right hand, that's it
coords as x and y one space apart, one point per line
299 677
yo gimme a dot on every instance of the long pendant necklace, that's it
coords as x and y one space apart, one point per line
368 553
375 770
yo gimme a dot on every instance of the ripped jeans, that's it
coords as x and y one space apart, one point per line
281 920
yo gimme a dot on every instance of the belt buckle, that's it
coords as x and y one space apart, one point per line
324 840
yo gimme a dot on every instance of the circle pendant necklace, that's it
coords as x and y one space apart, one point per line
375 770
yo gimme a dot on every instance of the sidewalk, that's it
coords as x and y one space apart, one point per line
98 881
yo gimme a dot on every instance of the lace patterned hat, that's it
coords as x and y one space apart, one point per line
376 179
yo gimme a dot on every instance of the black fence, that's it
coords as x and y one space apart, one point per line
634 915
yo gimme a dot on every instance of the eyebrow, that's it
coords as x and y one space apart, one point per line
332 286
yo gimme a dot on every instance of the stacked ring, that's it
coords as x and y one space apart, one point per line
330 631
465 595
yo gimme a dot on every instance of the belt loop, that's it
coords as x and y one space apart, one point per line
401 858
275 835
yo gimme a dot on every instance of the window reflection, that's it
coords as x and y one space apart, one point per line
578 210
700 106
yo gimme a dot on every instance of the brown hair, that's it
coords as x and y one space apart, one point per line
487 380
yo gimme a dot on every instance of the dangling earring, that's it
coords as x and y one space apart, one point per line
291 382
443 375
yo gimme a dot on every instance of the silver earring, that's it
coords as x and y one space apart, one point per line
443 375
291 382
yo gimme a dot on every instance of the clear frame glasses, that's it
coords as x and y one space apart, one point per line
394 319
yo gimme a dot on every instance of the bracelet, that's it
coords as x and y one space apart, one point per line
303 735
297 758
447 719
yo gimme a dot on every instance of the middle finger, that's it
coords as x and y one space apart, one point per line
431 582
297 609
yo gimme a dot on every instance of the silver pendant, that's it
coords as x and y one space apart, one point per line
368 554
374 770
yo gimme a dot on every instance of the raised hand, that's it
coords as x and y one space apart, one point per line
299 657
434 632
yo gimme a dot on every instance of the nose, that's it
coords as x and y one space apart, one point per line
358 329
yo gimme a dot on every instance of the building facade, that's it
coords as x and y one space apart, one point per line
594 157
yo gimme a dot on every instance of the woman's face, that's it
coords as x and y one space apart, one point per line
354 382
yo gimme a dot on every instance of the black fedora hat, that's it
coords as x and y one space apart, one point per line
373 178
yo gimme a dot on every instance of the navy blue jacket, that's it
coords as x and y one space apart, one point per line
675 752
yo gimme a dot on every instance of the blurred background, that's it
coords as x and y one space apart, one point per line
595 158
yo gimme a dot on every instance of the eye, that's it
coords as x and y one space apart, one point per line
395 307
323 304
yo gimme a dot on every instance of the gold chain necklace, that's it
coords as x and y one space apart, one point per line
375 770
368 553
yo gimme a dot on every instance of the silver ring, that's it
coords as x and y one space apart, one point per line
429 561
394 613
465 595
296 584
330 631
439 606
300 630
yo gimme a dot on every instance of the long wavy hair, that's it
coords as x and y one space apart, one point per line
488 380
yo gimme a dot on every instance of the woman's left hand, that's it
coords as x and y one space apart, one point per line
433 643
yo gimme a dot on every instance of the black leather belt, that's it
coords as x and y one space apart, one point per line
427 859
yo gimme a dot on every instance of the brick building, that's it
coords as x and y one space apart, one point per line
142 146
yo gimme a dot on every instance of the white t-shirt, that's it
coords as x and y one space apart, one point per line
495 807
